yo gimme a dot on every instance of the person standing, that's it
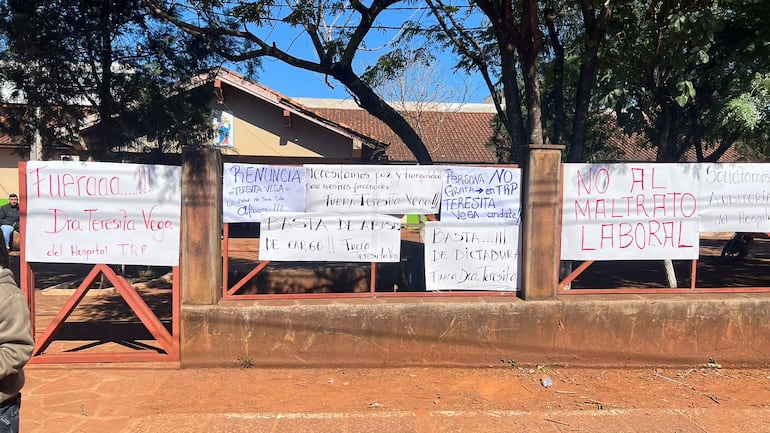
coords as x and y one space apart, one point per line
16 345
9 219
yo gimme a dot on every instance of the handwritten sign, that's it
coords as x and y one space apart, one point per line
250 189
630 211
379 189
480 195
96 212
298 237
735 197
463 257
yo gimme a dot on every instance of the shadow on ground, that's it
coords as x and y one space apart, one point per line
712 270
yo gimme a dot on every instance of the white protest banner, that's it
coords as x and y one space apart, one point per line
479 195
471 257
98 212
250 189
383 189
630 211
312 237
735 198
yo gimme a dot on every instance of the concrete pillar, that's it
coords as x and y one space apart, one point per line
541 219
201 265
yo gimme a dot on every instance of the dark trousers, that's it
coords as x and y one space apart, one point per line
9 415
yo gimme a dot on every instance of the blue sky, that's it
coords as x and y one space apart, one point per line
294 82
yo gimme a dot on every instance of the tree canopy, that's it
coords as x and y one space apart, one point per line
335 30
689 74
684 75
506 49
521 51
104 61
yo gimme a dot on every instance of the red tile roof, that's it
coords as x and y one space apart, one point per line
450 136
11 140
623 148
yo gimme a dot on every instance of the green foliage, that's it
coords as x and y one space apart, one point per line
750 109
252 12
681 74
393 63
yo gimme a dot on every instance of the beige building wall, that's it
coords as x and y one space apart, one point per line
261 129
9 173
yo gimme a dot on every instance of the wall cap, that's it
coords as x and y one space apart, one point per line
559 147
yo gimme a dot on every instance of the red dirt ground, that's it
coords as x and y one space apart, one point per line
509 388
121 398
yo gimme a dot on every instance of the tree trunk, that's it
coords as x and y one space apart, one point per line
529 47
378 108
511 93
559 115
667 134
668 265
500 13
595 29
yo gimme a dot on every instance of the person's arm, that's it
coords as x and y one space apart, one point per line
16 343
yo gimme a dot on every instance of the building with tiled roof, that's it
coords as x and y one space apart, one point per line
262 123
269 124
15 147
272 126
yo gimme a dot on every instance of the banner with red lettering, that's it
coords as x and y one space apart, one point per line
630 211
98 212
735 197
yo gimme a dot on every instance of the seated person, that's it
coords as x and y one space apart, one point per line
9 219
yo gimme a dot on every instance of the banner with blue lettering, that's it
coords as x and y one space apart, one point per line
471 257
383 189
250 189
480 195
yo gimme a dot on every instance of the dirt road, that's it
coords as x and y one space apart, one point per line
502 398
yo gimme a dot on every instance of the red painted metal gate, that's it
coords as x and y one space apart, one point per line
122 322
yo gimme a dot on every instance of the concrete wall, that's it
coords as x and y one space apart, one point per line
579 331
538 327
